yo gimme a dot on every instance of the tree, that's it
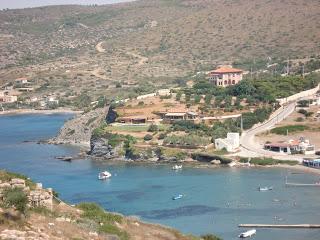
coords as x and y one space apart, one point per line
101 102
244 88
197 99
178 96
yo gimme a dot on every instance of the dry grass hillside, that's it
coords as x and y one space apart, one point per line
156 41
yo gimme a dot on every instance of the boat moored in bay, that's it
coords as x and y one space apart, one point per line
247 234
104 175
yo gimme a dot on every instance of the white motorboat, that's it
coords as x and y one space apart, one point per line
177 197
263 189
104 175
177 167
247 234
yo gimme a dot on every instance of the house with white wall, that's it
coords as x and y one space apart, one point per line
231 143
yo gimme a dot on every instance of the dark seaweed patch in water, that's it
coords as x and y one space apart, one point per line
130 195
184 211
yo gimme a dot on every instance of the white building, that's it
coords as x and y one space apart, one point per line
5 97
163 92
231 143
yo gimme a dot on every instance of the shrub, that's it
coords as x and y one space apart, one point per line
106 220
97 213
268 161
147 137
302 111
153 128
162 136
178 96
303 103
299 119
15 197
289 129
210 237
141 103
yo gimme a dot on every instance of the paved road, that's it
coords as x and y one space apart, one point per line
250 146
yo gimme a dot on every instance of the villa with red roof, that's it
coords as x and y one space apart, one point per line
225 76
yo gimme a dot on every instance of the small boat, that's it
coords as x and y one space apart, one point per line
263 189
64 158
177 167
247 234
104 175
177 197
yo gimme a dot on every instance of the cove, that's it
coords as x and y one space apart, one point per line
215 200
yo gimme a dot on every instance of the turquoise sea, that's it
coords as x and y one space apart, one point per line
215 200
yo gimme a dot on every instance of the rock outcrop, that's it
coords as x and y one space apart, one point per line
79 129
100 147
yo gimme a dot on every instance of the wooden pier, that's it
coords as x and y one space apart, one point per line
279 225
302 184
289 184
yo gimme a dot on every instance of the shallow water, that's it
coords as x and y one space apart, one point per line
215 200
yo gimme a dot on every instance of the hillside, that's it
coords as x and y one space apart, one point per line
94 48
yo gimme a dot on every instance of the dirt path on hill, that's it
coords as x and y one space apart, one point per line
142 59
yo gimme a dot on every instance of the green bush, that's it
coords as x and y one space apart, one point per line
111 229
186 140
299 119
106 220
153 128
97 213
268 161
303 103
302 111
147 137
289 129
162 136
17 198
210 237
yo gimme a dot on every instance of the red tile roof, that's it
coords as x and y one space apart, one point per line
226 70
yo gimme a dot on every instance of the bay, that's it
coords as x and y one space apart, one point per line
215 200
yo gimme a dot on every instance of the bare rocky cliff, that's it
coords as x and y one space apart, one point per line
78 130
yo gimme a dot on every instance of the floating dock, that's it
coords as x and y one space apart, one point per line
279 225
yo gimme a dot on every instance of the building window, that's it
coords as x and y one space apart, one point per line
233 82
225 82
